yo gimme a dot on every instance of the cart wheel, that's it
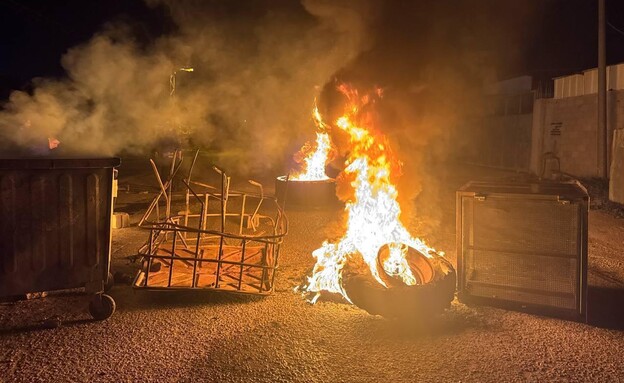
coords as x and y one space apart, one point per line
109 283
102 306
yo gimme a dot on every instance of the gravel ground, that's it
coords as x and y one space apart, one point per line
199 336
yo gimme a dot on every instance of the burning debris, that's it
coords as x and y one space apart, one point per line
306 194
311 186
232 247
377 248
314 158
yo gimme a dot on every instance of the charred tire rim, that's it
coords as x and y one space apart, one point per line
421 267
434 294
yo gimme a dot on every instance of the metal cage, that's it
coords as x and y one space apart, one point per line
222 239
524 246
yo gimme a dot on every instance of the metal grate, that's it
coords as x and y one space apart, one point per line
527 248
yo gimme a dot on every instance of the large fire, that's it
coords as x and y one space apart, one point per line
314 157
373 211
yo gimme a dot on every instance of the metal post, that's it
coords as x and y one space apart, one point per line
602 147
173 251
242 262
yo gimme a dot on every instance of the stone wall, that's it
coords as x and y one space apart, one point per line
567 128
559 132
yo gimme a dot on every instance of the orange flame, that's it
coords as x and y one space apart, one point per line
373 211
315 157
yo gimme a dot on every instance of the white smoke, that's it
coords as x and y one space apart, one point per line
256 74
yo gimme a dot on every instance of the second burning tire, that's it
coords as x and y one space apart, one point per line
306 194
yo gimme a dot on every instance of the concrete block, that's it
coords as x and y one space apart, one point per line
120 220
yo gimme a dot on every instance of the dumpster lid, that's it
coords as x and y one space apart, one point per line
571 189
58 163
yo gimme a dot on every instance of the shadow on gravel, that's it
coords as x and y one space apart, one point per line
132 207
46 325
148 300
605 307
452 322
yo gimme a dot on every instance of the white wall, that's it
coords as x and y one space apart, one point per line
568 128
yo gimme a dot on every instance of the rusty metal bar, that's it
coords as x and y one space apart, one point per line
187 208
174 227
188 179
275 262
162 187
255 213
225 262
154 203
264 271
242 261
170 188
242 215
219 261
193 281
207 202
173 248
149 261
223 196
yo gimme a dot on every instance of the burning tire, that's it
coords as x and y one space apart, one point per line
306 194
434 291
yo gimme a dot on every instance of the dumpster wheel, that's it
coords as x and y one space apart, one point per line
102 306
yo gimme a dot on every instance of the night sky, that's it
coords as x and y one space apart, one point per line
36 33
545 38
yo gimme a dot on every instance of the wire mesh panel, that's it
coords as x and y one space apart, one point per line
524 244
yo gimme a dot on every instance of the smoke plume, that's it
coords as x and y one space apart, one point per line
432 58
256 71
258 65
